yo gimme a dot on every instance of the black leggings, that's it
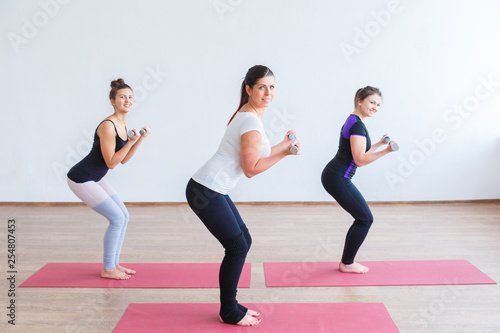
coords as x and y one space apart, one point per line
222 219
349 198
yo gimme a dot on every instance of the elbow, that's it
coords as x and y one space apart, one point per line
249 174
111 166
359 164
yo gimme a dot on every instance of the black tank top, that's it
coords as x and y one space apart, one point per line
93 167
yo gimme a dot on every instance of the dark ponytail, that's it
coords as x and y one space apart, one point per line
117 85
363 93
253 75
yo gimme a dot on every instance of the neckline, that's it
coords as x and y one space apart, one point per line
250 112
116 131
358 117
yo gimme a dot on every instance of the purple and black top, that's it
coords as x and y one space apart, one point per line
343 162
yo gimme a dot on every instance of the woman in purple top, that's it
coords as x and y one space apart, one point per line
355 150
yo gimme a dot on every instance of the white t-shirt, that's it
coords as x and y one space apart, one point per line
223 169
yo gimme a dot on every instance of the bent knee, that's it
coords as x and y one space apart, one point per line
247 236
118 220
237 246
365 221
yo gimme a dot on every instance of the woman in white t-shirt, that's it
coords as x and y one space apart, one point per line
244 150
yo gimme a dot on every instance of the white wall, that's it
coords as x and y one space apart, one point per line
185 61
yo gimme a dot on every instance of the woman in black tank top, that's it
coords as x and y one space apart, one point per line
111 147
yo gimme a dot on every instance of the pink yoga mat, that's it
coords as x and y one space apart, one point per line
158 275
382 273
276 318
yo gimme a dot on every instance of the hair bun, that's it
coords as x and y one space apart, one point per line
118 84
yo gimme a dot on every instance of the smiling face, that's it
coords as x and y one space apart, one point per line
262 92
124 100
369 106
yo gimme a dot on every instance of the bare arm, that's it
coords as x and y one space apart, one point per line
251 162
137 144
377 145
106 133
361 158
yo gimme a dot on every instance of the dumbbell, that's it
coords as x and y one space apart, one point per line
132 133
394 145
293 149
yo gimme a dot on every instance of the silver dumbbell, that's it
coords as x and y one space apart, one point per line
293 149
132 133
394 145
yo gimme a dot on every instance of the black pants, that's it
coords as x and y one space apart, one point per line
222 219
349 198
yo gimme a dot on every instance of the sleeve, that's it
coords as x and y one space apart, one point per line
357 129
251 123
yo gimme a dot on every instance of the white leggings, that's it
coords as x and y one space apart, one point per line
101 197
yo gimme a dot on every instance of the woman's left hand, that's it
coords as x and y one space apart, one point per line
292 143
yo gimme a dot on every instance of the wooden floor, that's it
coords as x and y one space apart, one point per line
281 232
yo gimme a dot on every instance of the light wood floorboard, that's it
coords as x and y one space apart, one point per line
281 232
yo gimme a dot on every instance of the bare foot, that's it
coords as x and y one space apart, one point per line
125 270
353 268
246 321
115 274
253 313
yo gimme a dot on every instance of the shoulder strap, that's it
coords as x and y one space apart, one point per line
111 122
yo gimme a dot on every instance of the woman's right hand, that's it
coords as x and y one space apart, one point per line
148 131
382 140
